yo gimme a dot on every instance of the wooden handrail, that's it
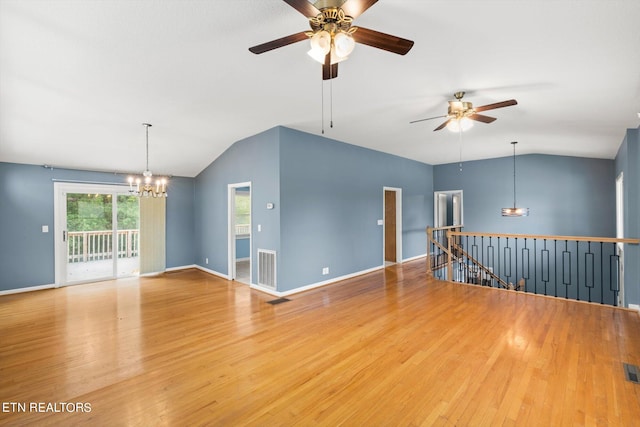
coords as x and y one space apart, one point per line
447 227
481 266
548 237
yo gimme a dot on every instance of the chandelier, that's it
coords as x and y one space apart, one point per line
145 186
514 211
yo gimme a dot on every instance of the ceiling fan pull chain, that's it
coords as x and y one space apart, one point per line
460 165
331 102
322 97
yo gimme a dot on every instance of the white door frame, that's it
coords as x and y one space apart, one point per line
60 190
398 192
620 234
231 204
437 195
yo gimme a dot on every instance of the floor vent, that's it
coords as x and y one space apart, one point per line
632 373
278 301
267 268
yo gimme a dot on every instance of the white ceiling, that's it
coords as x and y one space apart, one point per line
78 77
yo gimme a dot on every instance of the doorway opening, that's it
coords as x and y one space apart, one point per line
447 208
392 224
240 247
97 233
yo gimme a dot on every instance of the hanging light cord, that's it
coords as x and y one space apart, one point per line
514 173
147 126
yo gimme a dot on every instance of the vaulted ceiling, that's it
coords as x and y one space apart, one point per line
78 78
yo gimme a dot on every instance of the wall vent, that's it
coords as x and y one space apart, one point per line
267 268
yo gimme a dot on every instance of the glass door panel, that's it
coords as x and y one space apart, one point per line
128 217
97 232
89 237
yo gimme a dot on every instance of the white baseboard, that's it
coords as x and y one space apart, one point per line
182 267
413 258
266 290
328 282
215 273
635 307
29 289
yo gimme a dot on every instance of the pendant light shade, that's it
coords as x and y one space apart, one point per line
514 211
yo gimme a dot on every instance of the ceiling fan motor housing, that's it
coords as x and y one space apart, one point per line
460 109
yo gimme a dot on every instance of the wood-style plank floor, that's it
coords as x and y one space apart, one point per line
388 348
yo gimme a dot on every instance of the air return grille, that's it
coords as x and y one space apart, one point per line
267 268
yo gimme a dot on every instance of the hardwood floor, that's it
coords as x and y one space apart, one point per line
388 348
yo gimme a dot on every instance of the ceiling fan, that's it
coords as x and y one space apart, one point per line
332 35
460 113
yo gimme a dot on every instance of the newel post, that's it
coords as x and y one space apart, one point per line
449 258
429 254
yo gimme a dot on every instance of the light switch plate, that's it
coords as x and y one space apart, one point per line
380 222
45 228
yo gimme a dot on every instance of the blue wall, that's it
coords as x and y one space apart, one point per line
243 247
26 191
327 199
628 161
255 160
565 195
331 195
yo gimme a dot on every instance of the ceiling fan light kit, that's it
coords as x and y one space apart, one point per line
460 125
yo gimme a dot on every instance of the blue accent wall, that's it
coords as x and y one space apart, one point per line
26 191
565 195
254 159
331 196
243 247
628 161
327 198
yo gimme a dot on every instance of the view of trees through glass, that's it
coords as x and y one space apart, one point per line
89 212
243 208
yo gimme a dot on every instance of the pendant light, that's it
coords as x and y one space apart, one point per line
515 211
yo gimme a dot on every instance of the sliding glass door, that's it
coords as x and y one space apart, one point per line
97 233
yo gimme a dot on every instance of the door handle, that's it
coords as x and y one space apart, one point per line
64 235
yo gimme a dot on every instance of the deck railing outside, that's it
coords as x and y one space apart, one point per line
573 267
84 246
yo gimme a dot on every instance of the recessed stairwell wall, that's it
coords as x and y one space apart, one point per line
565 195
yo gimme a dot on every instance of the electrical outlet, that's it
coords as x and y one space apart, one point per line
325 270
206 260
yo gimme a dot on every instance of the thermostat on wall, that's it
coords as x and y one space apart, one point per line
269 205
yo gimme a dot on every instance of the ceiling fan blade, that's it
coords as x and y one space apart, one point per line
274 44
496 105
442 125
304 7
382 41
482 118
430 118
329 71
355 8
